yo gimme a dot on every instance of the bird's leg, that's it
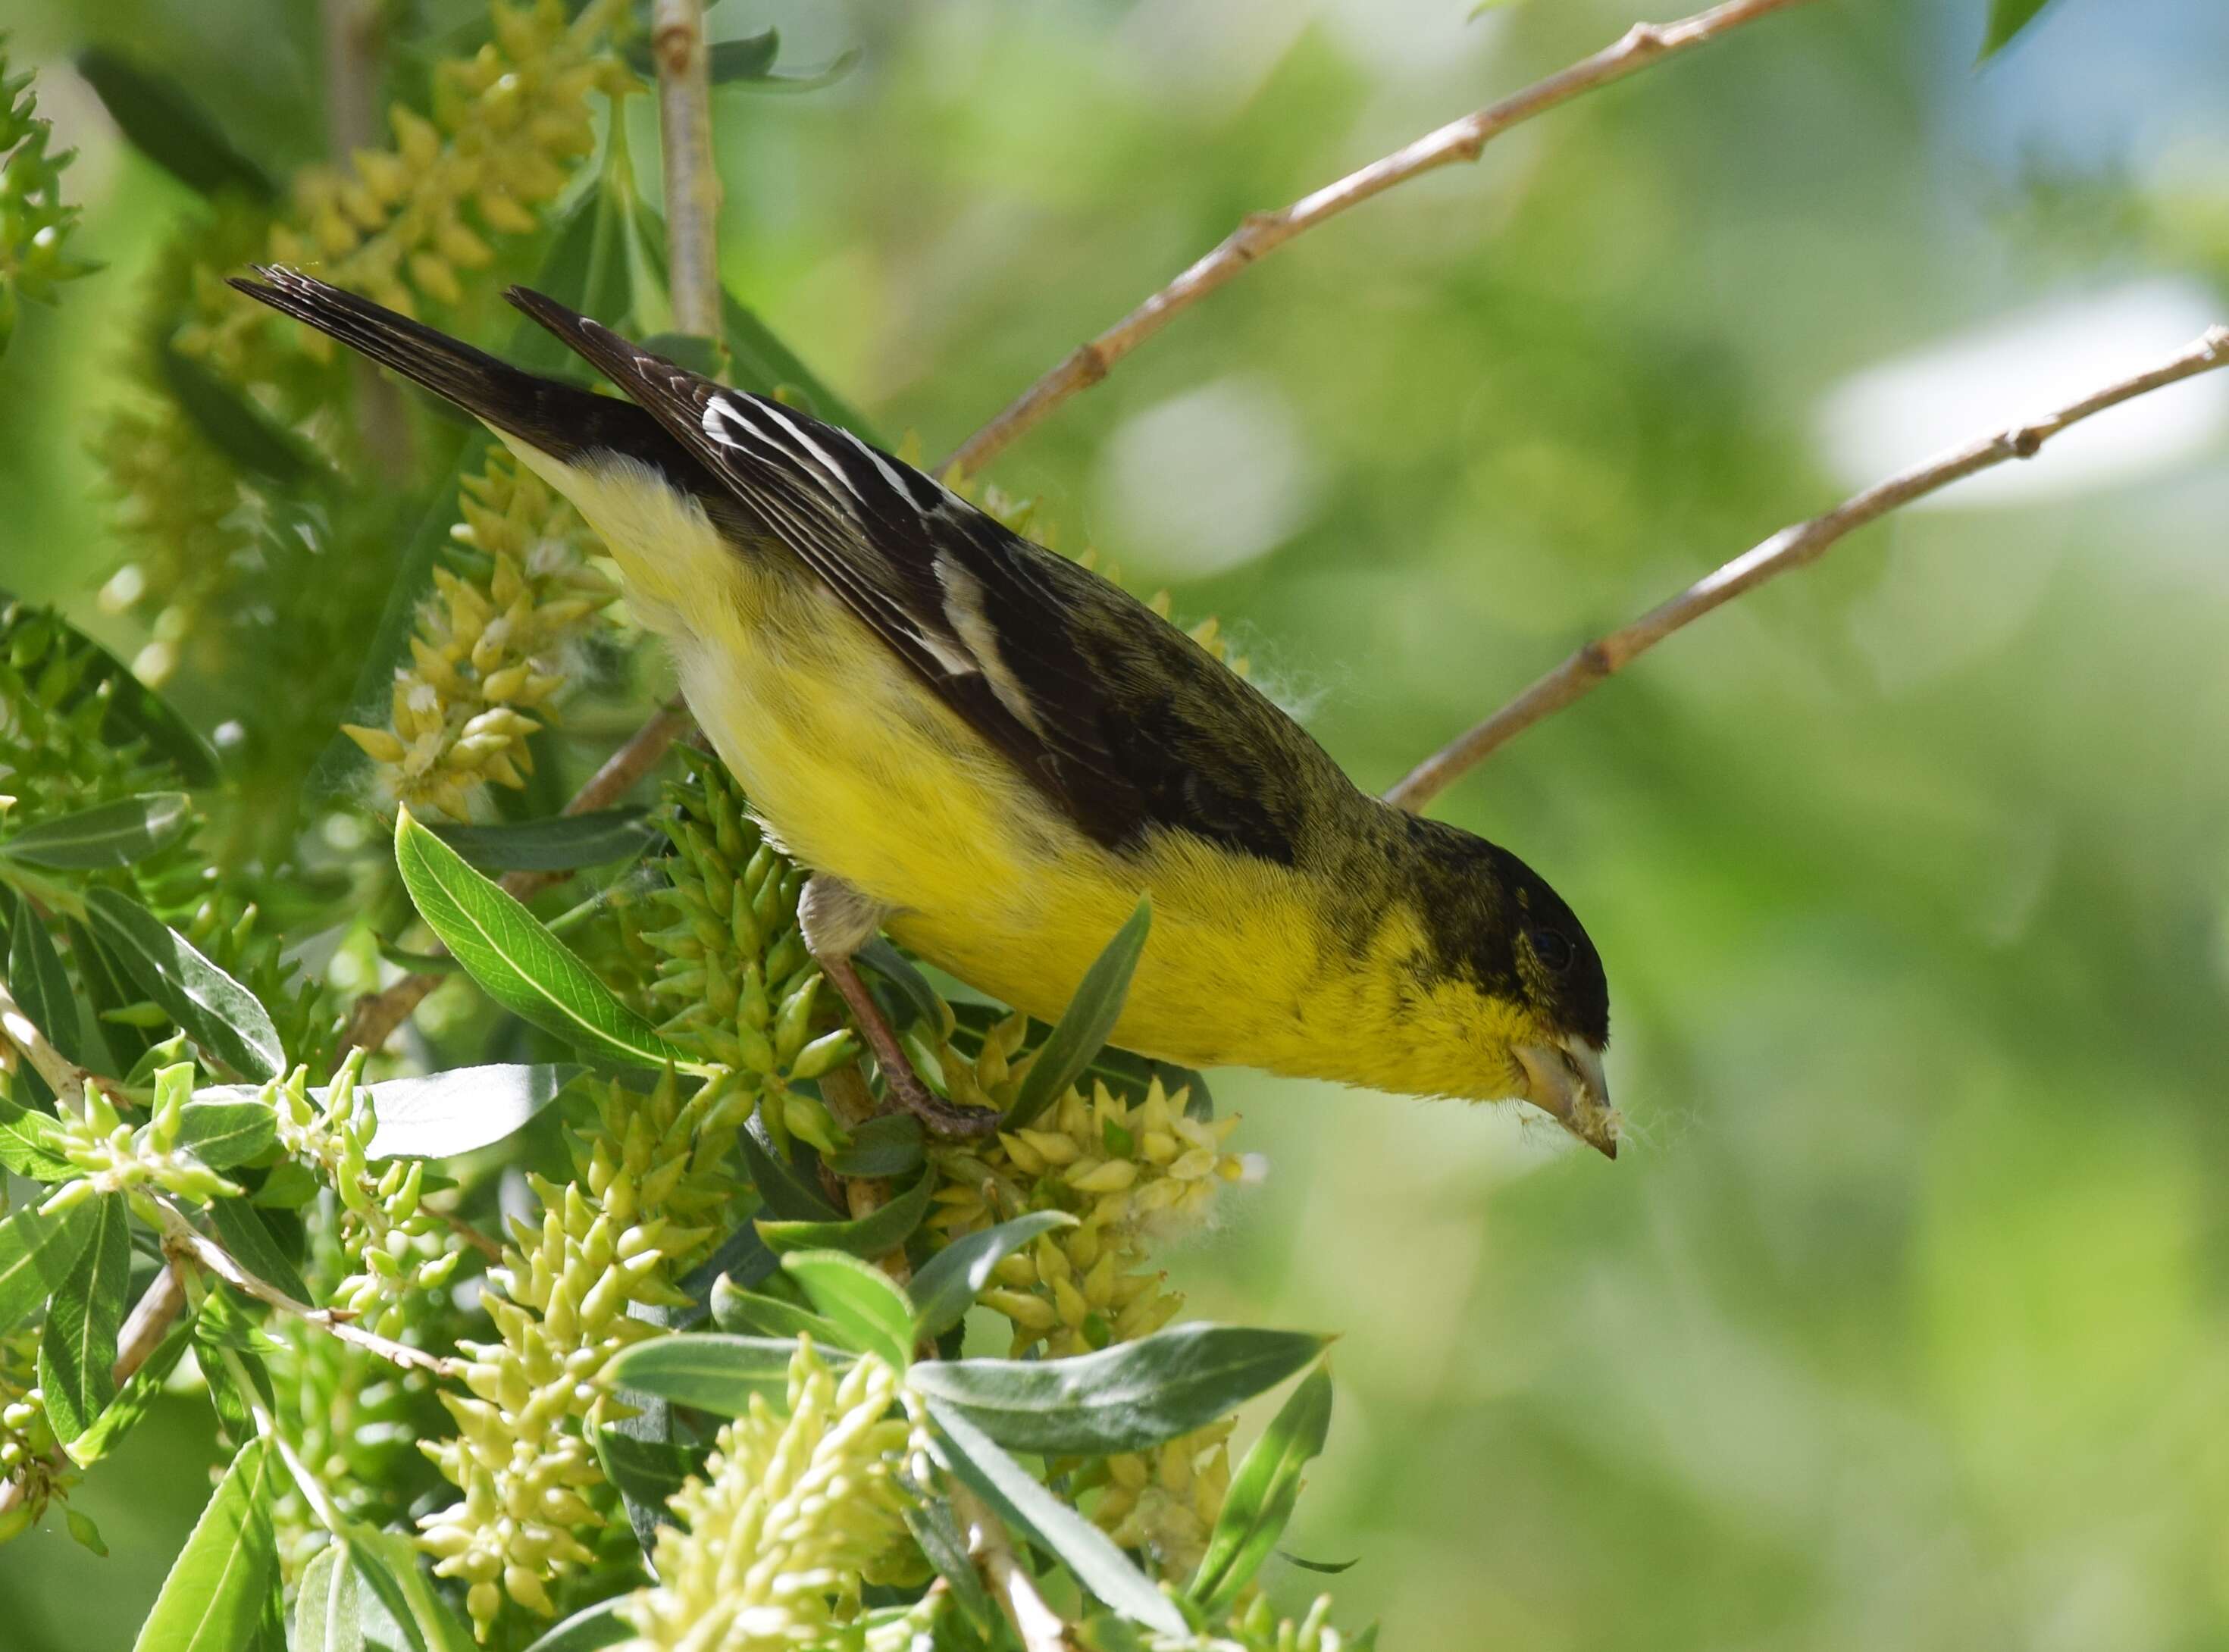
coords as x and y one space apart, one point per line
837 921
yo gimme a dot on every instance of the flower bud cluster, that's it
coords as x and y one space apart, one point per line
1164 1501
795 1504
1128 1171
651 1178
52 748
117 1159
489 652
506 126
391 1245
733 981
35 225
27 1439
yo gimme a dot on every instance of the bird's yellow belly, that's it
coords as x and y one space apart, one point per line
860 773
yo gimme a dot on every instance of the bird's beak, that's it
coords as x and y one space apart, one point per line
1565 1080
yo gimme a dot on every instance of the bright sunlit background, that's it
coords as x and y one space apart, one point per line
1903 1322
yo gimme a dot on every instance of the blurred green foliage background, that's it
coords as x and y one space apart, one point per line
1902 1323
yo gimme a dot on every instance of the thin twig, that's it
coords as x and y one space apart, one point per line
692 186
377 1015
64 1078
1038 1627
351 40
1261 233
182 1238
1792 547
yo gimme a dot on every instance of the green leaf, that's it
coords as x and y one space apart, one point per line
77 1351
39 980
245 1231
947 1285
518 961
750 1313
466 1108
710 1372
37 1253
133 1401
224 1129
936 1529
917 999
216 1012
214 1594
84 1532
106 835
787 1194
889 1144
588 1630
563 843
872 1312
742 1258
108 989
1017 1498
162 120
1261 1493
388 1563
2007 19
135 712
31 1145
649 1471
348 1601
255 442
1085 1024
1327 1568
1125 1073
877 1233
1123 1398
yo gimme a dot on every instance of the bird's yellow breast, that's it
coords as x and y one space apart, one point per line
860 771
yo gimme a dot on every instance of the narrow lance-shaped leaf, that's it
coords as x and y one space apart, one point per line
246 1232
936 1529
133 1401
518 961
787 1194
105 836
1017 1498
77 1351
214 1595
448 1113
1261 1493
216 1012
235 426
38 980
1123 1398
390 1567
563 843
588 1629
646 1471
710 1372
37 1253
134 711
889 1144
750 1313
1085 1024
877 1233
223 1127
948 1283
162 122
2007 19
871 1310
31 1145
347 1601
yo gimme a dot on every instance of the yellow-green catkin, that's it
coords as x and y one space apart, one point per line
652 1179
1130 1172
488 653
421 220
732 980
114 1157
391 1245
28 1456
34 221
794 1506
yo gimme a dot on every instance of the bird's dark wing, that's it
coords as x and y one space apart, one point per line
1119 718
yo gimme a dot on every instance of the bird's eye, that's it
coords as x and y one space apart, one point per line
1553 948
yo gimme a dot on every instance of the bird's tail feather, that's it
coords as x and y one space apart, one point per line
555 417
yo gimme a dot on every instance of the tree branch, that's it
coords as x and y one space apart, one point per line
1262 233
1035 1624
63 1076
1792 547
377 1015
692 185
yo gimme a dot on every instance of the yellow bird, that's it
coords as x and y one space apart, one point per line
992 753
